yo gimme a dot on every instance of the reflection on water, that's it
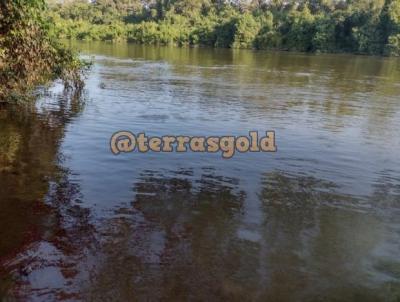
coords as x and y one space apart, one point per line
187 236
317 221
169 236
30 216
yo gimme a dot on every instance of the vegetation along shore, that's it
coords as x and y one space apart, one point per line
30 54
351 26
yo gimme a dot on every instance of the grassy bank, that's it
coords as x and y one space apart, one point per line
352 26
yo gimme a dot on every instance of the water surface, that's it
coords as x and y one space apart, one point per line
316 221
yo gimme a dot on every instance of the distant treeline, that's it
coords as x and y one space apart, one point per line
355 26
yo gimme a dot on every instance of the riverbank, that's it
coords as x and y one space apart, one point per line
345 27
30 54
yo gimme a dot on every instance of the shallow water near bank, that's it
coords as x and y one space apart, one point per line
316 221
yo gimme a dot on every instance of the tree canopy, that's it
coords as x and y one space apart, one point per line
357 26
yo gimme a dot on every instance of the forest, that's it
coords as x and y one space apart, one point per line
327 26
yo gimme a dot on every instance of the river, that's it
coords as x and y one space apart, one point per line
318 220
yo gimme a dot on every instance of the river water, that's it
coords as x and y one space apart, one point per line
319 220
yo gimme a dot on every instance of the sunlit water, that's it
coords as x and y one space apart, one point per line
319 220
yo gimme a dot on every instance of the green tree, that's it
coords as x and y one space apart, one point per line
29 54
246 30
299 30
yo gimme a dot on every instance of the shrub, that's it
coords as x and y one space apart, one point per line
29 54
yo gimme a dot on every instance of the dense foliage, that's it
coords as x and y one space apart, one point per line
357 26
29 54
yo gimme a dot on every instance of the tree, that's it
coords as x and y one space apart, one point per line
29 54
390 27
299 30
246 30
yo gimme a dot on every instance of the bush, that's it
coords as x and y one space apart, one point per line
29 54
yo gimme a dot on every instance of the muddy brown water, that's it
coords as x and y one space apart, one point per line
316 221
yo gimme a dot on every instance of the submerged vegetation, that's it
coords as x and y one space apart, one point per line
29 52
355 26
